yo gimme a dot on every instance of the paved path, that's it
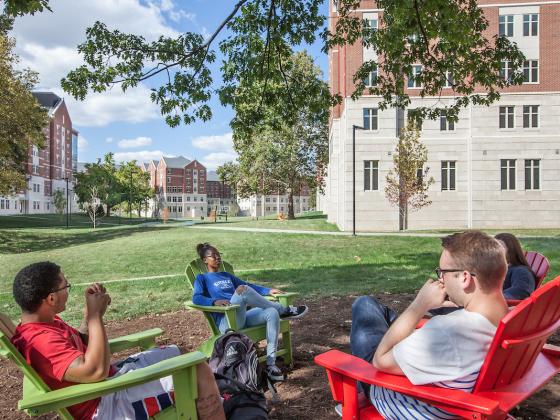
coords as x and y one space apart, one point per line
316 232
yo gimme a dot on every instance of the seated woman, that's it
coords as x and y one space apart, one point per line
221 288
520 280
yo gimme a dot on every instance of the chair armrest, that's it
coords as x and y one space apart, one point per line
352 367
65 397
142 339
285 299
218 309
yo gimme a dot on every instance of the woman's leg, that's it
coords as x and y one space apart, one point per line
270 317
251 298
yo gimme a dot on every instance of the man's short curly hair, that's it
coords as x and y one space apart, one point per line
34 283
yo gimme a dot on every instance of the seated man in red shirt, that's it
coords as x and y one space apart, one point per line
64 356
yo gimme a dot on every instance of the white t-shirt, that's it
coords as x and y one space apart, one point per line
448 351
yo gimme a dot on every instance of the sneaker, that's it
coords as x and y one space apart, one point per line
338 409
274 373
294 312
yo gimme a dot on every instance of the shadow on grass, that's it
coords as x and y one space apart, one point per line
21 241
55 221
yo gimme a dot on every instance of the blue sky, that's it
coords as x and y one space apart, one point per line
129 124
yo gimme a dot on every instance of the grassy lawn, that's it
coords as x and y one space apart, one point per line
75 220
305 221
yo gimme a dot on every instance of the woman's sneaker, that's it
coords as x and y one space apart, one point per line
274 373
294 312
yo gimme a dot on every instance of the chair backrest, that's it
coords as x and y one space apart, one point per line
520 337
197 266
539 266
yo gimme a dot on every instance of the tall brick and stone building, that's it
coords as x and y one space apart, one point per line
48 169
498 166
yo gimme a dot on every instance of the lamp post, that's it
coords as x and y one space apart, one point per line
66 179
354 128
130 197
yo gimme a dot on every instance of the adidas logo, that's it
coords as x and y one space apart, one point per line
231 352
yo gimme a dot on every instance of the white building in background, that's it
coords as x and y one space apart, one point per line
497 167
266 205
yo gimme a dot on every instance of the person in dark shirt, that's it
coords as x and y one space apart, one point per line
220 288
520 281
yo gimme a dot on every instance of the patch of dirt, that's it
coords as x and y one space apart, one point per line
326 326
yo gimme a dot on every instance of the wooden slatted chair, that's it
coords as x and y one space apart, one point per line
256 334
39 399
518 364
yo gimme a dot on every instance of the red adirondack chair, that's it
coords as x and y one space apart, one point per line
517 365
539 266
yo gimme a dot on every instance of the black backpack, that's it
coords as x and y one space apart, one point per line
241 402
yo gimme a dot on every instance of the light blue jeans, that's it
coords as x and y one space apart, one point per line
262 311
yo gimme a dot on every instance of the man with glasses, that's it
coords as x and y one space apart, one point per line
63 356
448 351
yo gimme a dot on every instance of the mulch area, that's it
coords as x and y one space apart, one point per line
306 394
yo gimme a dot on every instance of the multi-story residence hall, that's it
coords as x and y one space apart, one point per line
498 166
48 169
266 205
185 187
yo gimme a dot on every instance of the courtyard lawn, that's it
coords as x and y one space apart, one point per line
305 221
314 265
75 220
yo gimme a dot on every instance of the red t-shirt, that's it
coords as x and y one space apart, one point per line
50 348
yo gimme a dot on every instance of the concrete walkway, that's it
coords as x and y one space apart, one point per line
316 232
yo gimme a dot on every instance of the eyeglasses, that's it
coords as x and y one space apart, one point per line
441 271
68 286
215 256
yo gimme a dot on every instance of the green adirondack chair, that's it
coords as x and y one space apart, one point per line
257 333
39 399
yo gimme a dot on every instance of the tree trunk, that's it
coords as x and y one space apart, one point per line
291 213
108 211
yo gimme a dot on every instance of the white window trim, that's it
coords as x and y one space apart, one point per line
540 175
514 124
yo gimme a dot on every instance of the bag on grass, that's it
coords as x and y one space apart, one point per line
241 402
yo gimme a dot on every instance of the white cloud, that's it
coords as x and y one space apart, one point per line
109 140
222 143
137 142
82 144
213 160
141 156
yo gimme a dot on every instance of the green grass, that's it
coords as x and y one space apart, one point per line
76 220
314 265
306 221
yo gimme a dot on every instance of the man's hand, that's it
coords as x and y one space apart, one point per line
276 292
97 300
431 295
221 302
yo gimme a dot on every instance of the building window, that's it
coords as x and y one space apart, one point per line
413 78
371 175
179 199
188 208
371 79
532 174
411 120
2 204
530 116
371 24
531 25
370 118
507 174
531 71
445 124
267 199
506 117
506 70
180 209
448 175
168 179
449 81
506 25
168 171
174 199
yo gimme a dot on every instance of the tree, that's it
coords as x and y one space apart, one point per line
93 206
408 181
59 202
22 119
135 186
102 175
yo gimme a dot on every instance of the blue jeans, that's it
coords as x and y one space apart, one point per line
370 322
262 311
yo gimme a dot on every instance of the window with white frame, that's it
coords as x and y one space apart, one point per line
507 117
371 79
507 174
2 204
371 175
506 70
413 78
506 25
532 174
179 209
449 81
531 71
448 175
371 23
370 119
168 179
530 116
444 123
531 24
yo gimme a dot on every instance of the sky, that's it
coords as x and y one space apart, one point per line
129 124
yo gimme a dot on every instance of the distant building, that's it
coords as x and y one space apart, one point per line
48 169
266 205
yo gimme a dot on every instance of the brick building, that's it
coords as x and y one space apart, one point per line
498 166
48 169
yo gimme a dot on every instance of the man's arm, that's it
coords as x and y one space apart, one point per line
431 295
94 365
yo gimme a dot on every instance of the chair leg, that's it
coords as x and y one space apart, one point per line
287 343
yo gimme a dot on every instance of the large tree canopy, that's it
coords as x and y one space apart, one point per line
446 37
